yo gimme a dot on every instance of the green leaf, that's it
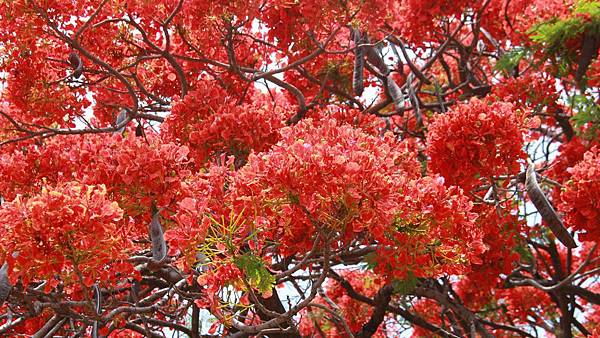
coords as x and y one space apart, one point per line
553 34
587 112
591 8
256 272
511 59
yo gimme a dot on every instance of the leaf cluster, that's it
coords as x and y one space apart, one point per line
559 36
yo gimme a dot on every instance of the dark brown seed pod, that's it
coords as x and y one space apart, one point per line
139 130
545 209
76 63
563 121
157 236
589 50
357 76
395 93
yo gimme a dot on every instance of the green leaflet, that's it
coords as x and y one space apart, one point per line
256 272
554 33
587 112
511 59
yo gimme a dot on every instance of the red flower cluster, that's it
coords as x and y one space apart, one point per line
476 140
32 81
530 90
500 234
212 123
570 154
420 19
581 197
330 176
203 194
433 232
368 123
73 231
222 275
337 179
36 98
134 172
289 21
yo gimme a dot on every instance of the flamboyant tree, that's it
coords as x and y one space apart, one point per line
299 168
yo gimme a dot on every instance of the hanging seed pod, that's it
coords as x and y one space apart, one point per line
159 246
76 63
395 93
120 120
412 96
357 76
545 209
5 286
98 308
139 130
97 298
376 60
589 50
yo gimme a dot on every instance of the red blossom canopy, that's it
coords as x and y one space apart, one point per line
299 168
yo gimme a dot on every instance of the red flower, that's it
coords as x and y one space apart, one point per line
476 140
433 232
66 230
323 175
212 123
581 196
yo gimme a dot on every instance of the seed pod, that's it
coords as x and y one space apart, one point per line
357 76
97 298
120 119
98 308
5 286
545 209
563 121
76 63
376 60
395 93
412 95
374 57
139 130
159 246
589 49
480 46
